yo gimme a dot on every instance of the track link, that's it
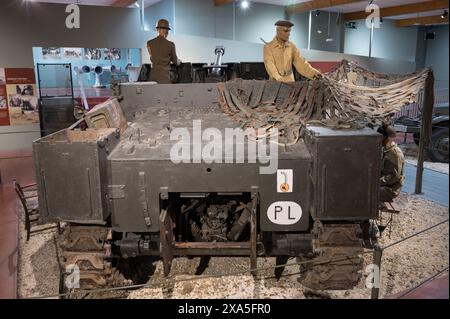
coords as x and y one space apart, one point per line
87 250
338 262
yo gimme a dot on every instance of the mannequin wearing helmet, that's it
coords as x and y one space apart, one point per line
162 53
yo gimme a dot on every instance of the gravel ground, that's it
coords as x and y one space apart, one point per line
403 266
38 273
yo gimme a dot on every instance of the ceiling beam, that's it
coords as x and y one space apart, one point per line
403 9
421 21
122 3
316 4
218 3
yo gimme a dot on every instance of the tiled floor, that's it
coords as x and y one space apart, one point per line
436 288
12 165
434 185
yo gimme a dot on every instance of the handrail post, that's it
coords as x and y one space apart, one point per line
377 255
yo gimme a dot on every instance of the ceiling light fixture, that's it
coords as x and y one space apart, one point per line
245 4
329 38
137 4
444 14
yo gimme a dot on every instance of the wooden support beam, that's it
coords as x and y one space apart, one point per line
122 3
421 21
399 10
219 3
316 4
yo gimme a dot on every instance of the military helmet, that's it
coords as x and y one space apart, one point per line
163 24
387 131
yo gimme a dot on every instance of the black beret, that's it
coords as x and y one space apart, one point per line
284 23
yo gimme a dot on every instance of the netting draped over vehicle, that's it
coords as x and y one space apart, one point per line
347 97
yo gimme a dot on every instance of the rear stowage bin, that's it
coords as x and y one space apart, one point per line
71 174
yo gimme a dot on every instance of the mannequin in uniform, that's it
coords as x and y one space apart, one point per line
280 54
162 52
392 176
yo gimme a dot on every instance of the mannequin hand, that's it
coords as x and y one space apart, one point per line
318 76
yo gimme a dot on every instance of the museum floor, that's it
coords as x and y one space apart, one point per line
18 165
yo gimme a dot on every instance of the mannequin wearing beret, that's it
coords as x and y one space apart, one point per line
280 54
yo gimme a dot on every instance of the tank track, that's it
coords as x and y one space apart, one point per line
89 248
338 261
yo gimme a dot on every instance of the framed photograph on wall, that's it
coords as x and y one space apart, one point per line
73 53
92 54
51 53
2 76
111 54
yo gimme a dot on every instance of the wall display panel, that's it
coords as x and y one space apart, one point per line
93 68
21 96
4 115
18 97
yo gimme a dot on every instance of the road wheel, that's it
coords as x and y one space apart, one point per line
438 151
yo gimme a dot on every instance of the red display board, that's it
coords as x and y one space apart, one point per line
4 115
18 96
325 67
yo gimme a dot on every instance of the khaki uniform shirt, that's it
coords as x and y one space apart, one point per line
392 169
162 52
279 58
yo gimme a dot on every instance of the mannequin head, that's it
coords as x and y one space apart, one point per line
283 30
283 33
163 28
163 32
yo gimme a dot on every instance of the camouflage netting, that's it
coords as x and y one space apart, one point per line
347 97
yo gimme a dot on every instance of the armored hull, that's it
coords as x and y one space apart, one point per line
156 170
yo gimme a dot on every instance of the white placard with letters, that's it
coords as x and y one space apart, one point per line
284 213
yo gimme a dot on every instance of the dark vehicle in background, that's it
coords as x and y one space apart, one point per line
438 150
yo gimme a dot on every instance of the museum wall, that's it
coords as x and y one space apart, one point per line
299 34
437 56
41 25
389 42
257 22
421 47
25 25
162 9
319 31
203 18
